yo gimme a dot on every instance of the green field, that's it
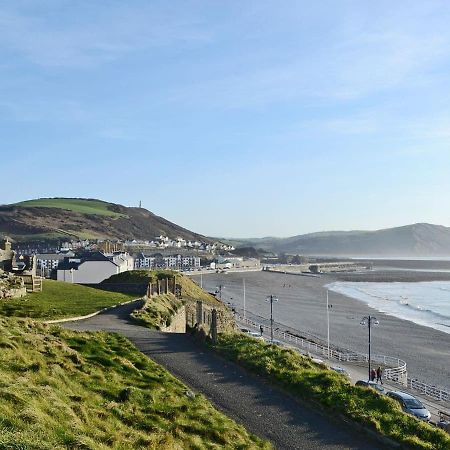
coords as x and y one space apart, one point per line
59 300
84 206
315 383
65 390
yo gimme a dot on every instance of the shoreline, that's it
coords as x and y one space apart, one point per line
302 306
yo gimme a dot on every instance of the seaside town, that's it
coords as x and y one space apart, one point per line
223 225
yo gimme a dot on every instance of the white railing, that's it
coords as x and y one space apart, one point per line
432 391
395 368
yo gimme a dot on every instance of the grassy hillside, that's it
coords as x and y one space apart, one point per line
189 289
59 300
420 239
80 205
65 390
314 382
56 218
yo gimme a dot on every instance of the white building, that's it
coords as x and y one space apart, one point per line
174 262
93 268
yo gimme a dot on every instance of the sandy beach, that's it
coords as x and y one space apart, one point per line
302 306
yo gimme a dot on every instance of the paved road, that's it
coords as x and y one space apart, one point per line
262 409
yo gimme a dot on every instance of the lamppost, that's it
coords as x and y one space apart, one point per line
369 321
271 298
219 290
328 325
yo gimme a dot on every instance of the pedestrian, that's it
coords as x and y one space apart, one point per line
373 374
379 374
261 329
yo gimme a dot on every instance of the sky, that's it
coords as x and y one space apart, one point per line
232 119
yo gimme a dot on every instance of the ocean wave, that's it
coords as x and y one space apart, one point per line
425 303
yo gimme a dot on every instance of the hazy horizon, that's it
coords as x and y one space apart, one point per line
231 119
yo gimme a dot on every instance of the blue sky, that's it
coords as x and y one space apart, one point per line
231 118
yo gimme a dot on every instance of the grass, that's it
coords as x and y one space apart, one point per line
60 300
158 311
314 382
189 289
84 206
65 390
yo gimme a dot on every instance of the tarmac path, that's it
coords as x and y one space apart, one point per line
262 409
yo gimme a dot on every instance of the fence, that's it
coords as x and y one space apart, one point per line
395 368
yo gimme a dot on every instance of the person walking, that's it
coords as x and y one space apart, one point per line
372 375
261 329
379 374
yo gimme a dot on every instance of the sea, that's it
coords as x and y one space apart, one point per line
425 303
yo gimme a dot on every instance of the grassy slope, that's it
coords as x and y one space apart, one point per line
158 311
83 206
60 389
309 381
189 289
60 300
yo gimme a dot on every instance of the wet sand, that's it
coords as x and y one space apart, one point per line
302 305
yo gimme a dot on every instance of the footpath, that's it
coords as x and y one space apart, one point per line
262 409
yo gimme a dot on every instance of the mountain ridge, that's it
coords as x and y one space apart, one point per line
419 239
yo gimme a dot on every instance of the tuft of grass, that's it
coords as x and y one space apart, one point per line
60 300
158 311
79 205
313 382
61 389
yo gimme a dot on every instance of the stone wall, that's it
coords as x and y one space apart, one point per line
200 313
178 324
11 286
140 289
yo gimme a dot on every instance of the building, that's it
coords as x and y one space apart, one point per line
93 268
48 262
173 262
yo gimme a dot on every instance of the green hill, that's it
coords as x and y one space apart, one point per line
51 219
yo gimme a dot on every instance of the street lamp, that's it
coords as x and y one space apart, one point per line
328 325
219 290
271 298
369 321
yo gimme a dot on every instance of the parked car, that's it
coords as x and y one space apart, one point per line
444 421
371 384
411 405
255 335
340 370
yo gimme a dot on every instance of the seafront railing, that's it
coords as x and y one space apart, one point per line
431 391
394 368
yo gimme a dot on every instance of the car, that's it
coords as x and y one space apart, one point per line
318 361
255 335
340 370
275 342
371 384
410 405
